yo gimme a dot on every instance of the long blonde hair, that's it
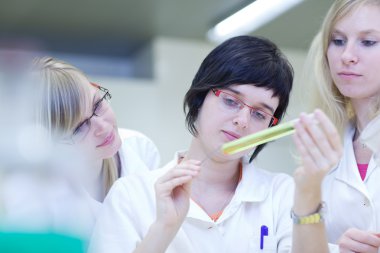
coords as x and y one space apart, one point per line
326 94
63 98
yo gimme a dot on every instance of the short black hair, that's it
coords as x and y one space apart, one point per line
241 60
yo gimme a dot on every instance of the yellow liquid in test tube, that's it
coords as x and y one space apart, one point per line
258 138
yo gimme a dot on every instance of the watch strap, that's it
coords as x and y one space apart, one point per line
312 218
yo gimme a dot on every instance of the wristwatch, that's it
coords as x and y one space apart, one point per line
312 218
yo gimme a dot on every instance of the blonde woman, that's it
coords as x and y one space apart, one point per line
76 112
346 55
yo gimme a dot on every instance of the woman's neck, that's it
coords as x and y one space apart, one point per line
216 183
361 109
361 151
216 172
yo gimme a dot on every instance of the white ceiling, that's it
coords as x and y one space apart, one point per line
118 27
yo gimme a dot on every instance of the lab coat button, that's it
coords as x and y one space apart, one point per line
366 202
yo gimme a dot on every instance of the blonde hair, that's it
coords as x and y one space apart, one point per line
64 95
326 94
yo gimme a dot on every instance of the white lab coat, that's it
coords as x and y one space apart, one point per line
351 202
30 201
137 152
371 137
261 199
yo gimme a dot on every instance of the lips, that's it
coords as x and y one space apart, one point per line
231 135
348 74
108 140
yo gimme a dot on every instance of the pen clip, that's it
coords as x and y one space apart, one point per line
263 232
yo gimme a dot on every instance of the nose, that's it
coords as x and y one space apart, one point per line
99 125
349 55
242 118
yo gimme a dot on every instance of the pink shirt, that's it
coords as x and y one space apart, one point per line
362 170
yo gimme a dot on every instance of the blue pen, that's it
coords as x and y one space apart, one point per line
263 232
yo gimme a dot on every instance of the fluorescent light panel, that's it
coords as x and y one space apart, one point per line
250 18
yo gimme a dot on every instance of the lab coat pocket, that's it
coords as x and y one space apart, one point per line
268 244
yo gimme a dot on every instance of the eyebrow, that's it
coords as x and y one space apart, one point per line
369 31
270 108
365 32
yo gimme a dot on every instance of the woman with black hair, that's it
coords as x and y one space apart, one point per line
207 201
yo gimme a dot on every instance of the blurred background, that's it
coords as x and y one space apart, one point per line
147 52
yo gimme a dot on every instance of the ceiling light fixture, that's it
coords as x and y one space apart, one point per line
249 18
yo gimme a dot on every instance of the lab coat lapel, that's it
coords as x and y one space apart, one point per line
347 170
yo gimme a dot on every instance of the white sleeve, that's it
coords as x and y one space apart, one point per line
150 153
141 146
283 196
124 218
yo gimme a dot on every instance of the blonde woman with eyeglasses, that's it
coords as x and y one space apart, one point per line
76 112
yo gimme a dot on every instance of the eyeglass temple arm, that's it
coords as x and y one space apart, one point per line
99 87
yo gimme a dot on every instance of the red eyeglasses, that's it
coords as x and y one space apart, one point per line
233 104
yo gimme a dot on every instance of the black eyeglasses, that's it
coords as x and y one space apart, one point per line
84 127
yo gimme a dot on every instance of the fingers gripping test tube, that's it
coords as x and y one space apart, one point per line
258 138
